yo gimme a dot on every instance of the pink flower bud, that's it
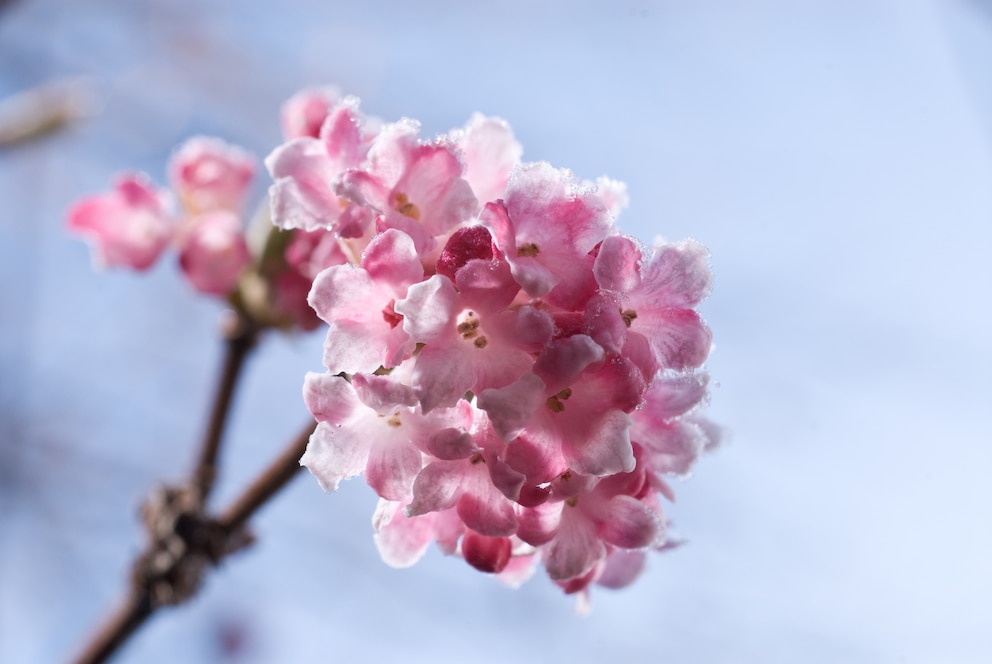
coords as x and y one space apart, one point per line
128 227
210 174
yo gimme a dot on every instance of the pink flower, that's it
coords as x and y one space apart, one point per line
417 187
365 331
304 113
472 341
490 153
209 174
372 425
546 228
213 253
577 530
306 171
128 227
540 369
402 540
654 299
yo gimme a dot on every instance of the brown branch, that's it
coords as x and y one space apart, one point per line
266 485
240 335
184 544
115 631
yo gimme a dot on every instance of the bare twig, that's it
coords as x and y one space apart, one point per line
240 335
184 544
272 479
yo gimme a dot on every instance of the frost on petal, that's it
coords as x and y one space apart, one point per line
671 395
304 113
678 274
401 540
613 194
549 226
332 455
307 173
679 337
490 153
302 196
671 448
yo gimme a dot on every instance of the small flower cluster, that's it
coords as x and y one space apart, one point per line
514 377
201 217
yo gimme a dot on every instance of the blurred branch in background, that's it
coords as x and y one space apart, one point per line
40 111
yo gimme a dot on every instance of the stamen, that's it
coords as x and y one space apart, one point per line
528 250
405 207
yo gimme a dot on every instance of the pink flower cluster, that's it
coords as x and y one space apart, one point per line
135 223
515 378
132 225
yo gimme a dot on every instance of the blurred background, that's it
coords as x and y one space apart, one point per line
835 157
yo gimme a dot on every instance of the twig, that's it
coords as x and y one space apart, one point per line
272 479
184 544
116 630
240 334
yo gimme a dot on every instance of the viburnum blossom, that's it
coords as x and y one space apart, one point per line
514 377
210 179
129 227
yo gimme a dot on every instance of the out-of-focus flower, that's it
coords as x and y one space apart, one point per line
129 227
210 174
304 113
213 252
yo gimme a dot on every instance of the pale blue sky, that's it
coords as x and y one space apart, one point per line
836 158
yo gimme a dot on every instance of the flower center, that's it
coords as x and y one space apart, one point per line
469 328
528 250
403 205
556 402
628 316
